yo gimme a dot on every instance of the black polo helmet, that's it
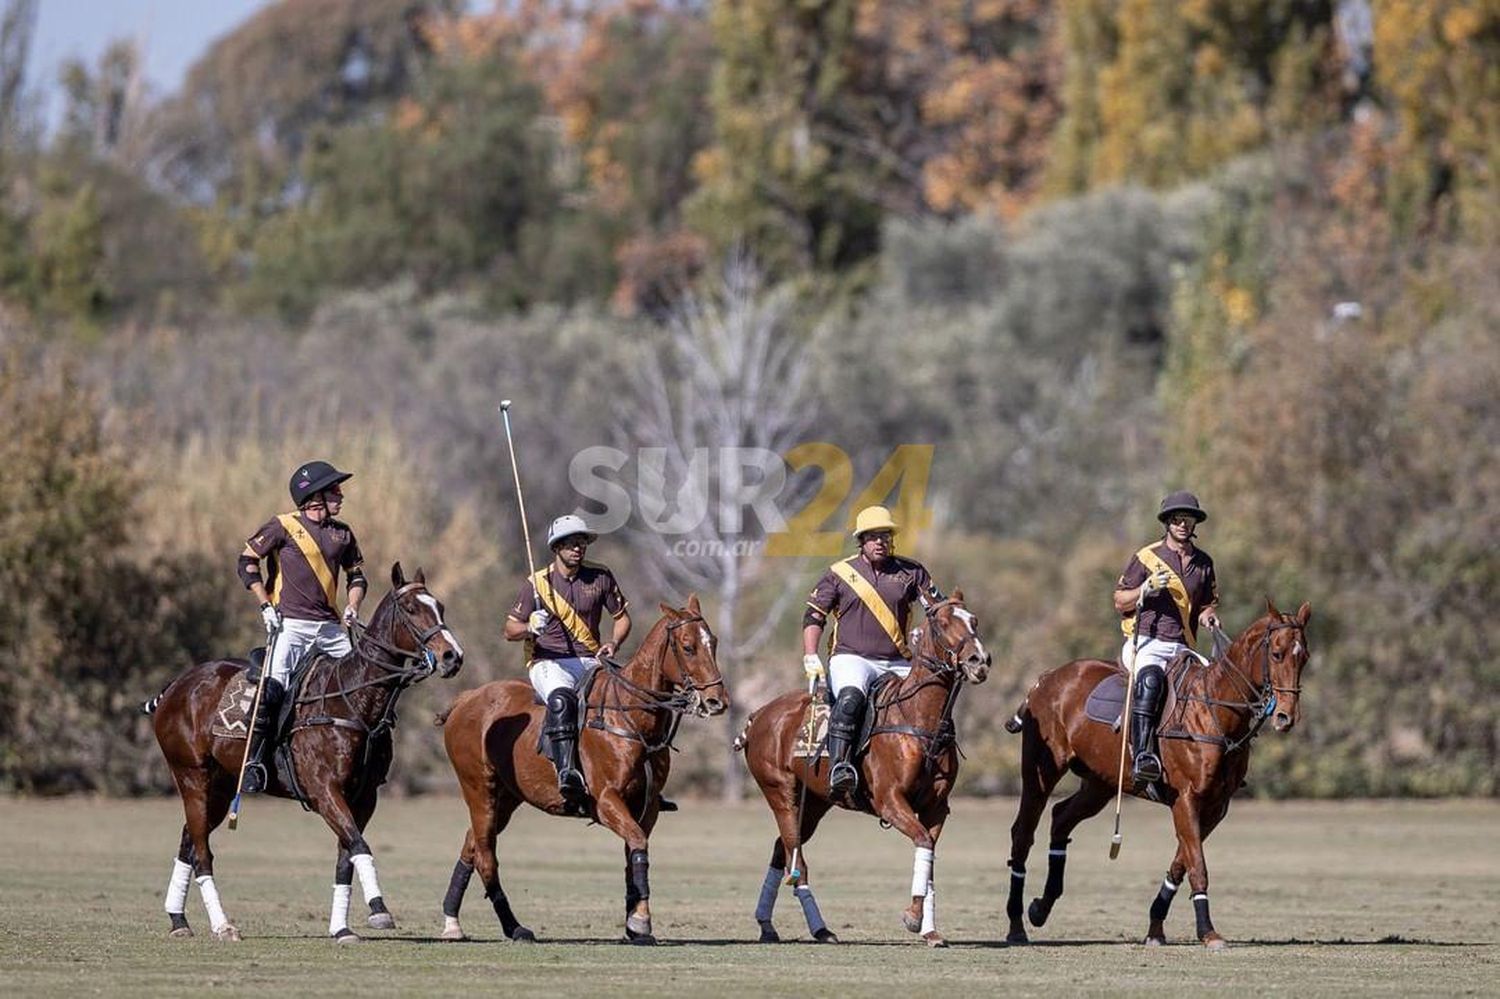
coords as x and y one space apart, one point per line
1181 501
312 478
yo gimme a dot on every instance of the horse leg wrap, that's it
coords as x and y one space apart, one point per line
1057 861
457 885
1014 905
1200 909
501 904
815 924
929 911
177 889
640 884
209 892
338 914
921 872
1163 901
768 888
364 866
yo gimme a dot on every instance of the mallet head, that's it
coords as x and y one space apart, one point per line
504 405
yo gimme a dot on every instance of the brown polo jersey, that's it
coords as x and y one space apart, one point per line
301 595
899 582
1159 615
591 592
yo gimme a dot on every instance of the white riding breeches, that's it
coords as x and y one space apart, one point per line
548 675
848 670
300 638
1153 652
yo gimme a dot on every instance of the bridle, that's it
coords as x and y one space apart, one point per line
403 666
1260 697
944 667
686 693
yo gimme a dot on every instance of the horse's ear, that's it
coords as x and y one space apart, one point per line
1304 614
398 579
957 594
693 605
1271 608
420 577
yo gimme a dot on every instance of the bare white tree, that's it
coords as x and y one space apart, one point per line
731 372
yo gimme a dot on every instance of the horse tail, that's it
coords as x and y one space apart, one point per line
743 739
1017 720
150 705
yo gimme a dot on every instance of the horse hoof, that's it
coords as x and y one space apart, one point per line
347 936
768 934
1017 938
934 939
229 933
912 923
1038 913
522 935
453 932
825 935
1156 941
382 921
180 933
1215 943
639 939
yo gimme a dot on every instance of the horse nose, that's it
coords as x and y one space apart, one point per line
451 661
714 706
1282 722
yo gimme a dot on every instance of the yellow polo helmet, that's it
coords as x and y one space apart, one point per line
874 518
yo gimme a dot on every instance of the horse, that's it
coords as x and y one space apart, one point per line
906 774
628 719
340 748
1213 715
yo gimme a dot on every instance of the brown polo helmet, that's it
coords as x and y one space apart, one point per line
1181 501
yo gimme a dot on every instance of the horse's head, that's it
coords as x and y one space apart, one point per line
1286 655
689 663
410 621
949 640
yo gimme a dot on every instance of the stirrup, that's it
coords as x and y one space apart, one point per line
256 778
1146 768
843 778
570 784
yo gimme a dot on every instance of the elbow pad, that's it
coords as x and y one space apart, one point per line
357 578
249 570
813 616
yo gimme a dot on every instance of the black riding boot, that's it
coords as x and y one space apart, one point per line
256 776
843 727
1150 686
561 731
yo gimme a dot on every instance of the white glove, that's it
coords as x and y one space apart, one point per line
537 622
812 666
1156 582
271 617
351 616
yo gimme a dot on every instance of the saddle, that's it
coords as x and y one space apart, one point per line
1106 702
812 739
232 716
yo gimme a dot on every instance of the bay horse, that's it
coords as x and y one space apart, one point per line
1210 721
339 740
628 719
906 775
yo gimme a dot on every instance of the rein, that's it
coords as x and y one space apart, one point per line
1259 698
940 672
674 702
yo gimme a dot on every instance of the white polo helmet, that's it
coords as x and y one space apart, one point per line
566 527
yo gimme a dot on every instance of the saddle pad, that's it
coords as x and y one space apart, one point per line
1107 700
232 717
812 733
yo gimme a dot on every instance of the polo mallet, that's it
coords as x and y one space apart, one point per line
515 473
794 871
260 689
1135 644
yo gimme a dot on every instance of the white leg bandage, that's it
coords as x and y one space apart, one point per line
929 911
210 895
177 888
921 872
768 887
338 916
364 866
451 926
815 924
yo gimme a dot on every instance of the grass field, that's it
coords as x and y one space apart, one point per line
1324 899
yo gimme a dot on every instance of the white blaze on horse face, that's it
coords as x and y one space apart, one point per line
430 602
708 642
967 617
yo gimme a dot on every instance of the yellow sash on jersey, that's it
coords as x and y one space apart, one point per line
314 555
1175 586
563 611
871 599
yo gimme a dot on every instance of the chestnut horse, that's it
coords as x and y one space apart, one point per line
628 718
340 748
1205 752
906 774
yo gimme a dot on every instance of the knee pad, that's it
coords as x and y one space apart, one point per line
272 694
562 705
849 706
1150 682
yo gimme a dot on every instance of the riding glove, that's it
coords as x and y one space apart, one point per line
271 617
537 622
812 666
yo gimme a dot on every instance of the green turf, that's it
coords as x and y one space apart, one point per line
1389 898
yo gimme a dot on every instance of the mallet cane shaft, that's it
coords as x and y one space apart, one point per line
1135 644
515 472
794 866
260 689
